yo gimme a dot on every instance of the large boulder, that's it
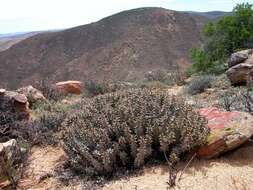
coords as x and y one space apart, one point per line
10 155
229 130
241 67
239 57
240 74
33 94
69 87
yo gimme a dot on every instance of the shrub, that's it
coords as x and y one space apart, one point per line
48 118
158 75
48 90
199 84
94 88
174 77
128 128
152 85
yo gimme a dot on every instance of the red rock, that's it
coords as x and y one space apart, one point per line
229 130
69 87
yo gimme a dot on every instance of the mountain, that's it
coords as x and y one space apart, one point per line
8 40
212 14
121 47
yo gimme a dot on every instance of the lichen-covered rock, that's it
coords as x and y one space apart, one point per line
229 130
10 155
33 95
69 87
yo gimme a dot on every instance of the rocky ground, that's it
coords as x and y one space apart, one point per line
45 166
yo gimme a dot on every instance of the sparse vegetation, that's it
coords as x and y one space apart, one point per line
48 90
93 88
128 128
239 99
170 78
199 84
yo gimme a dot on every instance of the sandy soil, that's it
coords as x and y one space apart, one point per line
233 171
41 164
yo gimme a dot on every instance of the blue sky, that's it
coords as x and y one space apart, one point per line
34 15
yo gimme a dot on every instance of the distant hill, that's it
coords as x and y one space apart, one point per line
121 47
7 40
212 14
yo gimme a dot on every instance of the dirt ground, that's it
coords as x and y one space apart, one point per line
233 171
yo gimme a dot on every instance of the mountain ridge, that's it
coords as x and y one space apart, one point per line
121 47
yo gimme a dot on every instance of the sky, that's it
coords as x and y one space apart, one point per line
37 15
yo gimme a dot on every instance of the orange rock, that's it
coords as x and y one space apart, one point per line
229 130
69 87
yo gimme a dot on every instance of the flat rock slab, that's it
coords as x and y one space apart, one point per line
229 130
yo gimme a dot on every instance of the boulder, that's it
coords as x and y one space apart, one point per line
69 87
2 91
229 130
15 102
240 74
33 94
10 156
239 57
240 67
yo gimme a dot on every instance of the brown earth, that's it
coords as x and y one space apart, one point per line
234 171
120 47
8 41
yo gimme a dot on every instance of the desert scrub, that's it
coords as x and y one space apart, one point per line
93 88
128 128
49 90
48 117
199 84
170 78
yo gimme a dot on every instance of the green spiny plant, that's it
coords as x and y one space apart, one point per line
128 128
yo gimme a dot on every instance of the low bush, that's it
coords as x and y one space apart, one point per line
48 118
199 84
239 99
93 88
128 128
48 90
170 78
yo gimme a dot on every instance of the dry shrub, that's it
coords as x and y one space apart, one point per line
128 128
199 84
49 90
170 78
93 88
239 99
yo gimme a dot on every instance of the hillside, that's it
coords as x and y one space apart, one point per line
211 14
120 47
6 41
